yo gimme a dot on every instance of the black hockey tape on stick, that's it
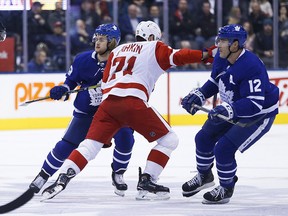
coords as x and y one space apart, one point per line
240 124
18 202
68 92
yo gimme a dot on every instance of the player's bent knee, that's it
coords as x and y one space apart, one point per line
170 140
89 148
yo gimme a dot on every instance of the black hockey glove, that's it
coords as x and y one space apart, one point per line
194 97
57 92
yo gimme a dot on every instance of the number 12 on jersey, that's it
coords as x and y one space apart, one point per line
255 85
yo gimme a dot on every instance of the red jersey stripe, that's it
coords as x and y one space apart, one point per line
158 157
127 86
78 159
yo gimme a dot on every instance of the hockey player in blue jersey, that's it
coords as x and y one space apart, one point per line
247 96
87 70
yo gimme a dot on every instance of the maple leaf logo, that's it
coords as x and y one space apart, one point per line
237 28
95 96
226 96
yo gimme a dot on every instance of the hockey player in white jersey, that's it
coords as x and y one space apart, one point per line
247 97
128 80
87 70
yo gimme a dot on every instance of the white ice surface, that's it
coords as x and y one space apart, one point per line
262 188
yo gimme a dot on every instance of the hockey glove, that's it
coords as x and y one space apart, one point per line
208 54
194 97
224 109
57 92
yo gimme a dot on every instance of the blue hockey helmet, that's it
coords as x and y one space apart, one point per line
110 30
232 33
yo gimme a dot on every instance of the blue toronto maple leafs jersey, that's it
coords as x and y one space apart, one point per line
86 71
245 85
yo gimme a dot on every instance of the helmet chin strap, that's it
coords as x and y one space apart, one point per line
230 52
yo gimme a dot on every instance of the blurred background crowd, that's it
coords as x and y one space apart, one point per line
189 24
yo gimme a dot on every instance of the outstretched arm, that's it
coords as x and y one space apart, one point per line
168 57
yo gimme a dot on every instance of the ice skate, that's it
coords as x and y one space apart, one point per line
148 190
39 181
197 183
59 185
119 184
219 195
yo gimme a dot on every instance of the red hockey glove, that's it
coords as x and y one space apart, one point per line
208 54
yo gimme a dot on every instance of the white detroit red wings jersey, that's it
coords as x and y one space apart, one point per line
133 69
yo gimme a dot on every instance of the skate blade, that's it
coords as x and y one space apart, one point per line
208 202
192 193
146 195
119 192
46 195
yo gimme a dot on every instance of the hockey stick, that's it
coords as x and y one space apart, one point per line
214 102
18 202
225 118
68 92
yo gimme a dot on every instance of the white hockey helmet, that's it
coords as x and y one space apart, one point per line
146 28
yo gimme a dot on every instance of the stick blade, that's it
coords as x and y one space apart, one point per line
24 104
18 202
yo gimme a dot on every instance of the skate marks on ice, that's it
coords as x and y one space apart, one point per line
261 189
87 198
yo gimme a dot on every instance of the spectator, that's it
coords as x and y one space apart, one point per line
38 26
2 32
264 43
266 7
283 16
143 9
206 26
256 16
80 40
57 44
37 64
283 33
235 16
182 24
250 36
88 15
58 15
103 9
156 16
128 22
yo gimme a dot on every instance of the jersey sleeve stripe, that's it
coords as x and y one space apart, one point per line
171 57
256 104
213 81
256 97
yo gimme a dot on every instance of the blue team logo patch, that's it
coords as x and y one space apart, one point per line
237 28
225 94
